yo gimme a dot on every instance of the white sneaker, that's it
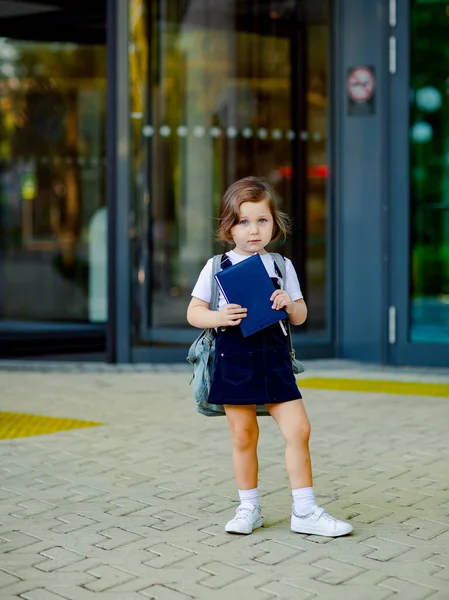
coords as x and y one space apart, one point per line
245 520
318 522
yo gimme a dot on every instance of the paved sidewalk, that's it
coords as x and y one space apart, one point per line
135 508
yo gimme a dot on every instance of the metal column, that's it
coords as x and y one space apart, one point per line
118 183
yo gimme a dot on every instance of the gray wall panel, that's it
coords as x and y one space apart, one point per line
360 185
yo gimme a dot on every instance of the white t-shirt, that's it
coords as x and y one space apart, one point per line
203 285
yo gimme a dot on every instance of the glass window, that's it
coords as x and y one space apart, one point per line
429 172
219 91
52 182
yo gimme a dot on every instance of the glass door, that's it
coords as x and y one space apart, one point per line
53 244
419 312
219 91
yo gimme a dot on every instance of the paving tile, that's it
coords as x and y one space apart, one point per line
281 590
162 592
221 574
16 540
116 537
7 579
167 555
275 552
408 589
336 572
107 578
40 594
441 561
57 558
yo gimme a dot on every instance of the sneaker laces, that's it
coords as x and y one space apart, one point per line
242 513
324 516
327 517
320 513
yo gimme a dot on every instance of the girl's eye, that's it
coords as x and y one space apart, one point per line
262 220
244 222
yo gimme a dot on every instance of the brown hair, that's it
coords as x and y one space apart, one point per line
250 189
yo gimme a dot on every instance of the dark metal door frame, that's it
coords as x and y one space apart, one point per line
317 345
118 183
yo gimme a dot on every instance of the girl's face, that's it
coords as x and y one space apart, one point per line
254 229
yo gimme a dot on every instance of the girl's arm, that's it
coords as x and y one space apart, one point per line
298 313
199 315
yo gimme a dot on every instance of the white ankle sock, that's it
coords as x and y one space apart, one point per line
303 500
249 498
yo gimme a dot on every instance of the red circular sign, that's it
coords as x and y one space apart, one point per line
361 84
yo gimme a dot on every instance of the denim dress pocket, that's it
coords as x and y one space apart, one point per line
236 368
281 379
281 363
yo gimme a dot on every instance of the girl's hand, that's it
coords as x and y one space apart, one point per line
281 299
230 314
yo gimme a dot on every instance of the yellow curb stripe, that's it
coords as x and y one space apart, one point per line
411 388
14 425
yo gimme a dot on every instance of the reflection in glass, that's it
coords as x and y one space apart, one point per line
429 168
52 215
220 91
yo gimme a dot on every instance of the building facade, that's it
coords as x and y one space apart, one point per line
122 124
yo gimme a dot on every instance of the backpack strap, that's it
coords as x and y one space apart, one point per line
279 262
216 265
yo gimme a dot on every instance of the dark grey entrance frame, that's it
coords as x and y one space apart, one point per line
310 345
361 176
118 183
356 216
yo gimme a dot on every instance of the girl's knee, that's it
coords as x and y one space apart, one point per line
304 431
245 438
301 432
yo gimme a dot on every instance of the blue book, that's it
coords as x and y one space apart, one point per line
247 283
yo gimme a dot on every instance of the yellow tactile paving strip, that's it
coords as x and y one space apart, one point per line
412 388
14 425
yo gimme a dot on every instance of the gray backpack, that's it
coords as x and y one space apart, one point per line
202 352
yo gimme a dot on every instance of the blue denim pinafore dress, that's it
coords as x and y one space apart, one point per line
252 370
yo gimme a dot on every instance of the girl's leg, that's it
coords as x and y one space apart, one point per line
294 425
245 435
307 517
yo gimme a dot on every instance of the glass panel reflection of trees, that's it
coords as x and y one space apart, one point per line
52 162
429 172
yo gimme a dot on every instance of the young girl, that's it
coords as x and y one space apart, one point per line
257 369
